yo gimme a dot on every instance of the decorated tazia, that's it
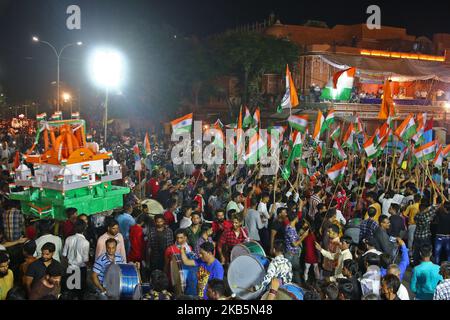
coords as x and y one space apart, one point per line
69 172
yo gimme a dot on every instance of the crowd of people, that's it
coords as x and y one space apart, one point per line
351 241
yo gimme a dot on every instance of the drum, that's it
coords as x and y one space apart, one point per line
183 278
154 207
245 272
250 247
288 291
141 290
121 280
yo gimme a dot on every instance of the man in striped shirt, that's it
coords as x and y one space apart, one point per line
102 263
315 199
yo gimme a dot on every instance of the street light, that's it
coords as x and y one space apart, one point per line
107 70
58 56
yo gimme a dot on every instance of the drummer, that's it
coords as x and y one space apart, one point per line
279 268
102 263
208 267
180 242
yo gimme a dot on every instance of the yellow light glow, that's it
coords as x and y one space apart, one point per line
399 55
66 96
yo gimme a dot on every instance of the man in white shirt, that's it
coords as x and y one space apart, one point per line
339 215
265 216
46 236
186 221
371 280
253 221
76 251
340 256
386 201
235 203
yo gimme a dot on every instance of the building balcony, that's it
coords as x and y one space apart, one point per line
367 111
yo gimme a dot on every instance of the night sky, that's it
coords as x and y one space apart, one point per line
27 69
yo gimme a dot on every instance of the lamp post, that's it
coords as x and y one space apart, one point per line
58 56
106 66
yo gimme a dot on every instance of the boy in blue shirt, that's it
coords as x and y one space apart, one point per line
208 267
425 277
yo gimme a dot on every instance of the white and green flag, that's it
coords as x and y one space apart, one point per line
298 123
340 86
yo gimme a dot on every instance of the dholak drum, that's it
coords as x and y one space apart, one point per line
183 278
245 272
121 280
250 247
141 290
288 291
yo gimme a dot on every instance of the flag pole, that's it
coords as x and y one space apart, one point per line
393 159
362 185
432 183
424 176
275 185
331 201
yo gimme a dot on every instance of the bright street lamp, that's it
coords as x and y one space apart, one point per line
58 56
107 71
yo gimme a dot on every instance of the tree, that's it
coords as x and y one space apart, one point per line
249 56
